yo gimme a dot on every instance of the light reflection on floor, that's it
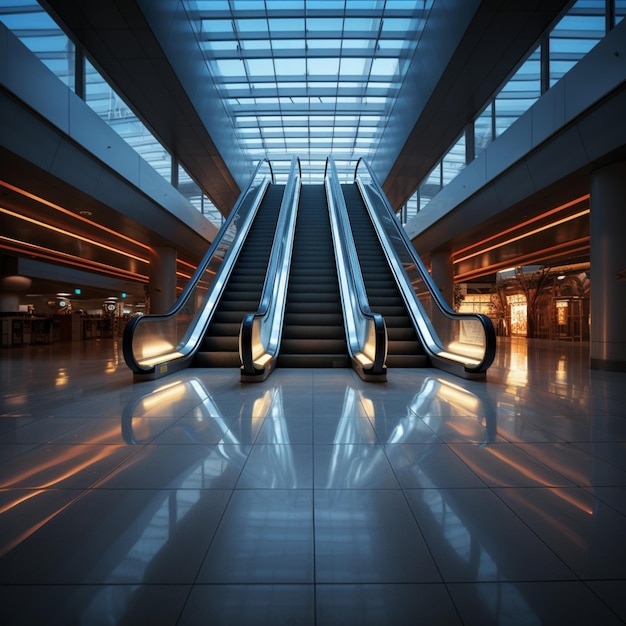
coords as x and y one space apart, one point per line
312 497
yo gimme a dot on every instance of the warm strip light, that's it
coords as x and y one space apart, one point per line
523 236
562 207
67 233
581 245
181 262
69 259
56 207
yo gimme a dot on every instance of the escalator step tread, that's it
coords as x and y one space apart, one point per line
217 359
306 319
400 333
311 331
313 346
405 347
221 344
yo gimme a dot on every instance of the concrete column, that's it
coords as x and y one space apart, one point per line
442 272
162 285
10 289
608 267
9 302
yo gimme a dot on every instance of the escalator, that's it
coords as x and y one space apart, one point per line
310 276
404 347
461 343
157 344
313 328
220 345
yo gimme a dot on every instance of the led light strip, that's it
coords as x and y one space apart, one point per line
72 235
15 245
522 236
47 203
580 245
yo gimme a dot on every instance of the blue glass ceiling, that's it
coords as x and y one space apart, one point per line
308 77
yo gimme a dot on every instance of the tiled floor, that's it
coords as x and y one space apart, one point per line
312 498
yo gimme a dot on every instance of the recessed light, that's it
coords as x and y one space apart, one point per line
85 213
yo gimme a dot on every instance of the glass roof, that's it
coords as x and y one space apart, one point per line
308 77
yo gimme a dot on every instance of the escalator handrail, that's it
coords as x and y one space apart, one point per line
366 331
260 333
422 323
263 179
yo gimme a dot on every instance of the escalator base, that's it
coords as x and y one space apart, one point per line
313 360
408 360
216 359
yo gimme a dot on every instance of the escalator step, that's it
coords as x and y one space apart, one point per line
400 333
303 345
319 318
314 331
215 343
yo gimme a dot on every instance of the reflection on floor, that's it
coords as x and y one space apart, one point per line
313 497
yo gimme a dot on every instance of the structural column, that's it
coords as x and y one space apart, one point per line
162 285
442 272
11 284
608 267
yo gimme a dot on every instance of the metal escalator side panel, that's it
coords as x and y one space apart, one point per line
461 343
155 345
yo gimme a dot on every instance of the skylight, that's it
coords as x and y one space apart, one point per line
327 73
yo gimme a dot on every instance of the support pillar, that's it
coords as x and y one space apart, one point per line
11 284
442 272
608 268
162 285
9 302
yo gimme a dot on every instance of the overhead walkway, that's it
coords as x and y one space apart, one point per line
310 276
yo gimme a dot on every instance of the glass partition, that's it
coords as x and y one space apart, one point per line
155 345
42 36
467 340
